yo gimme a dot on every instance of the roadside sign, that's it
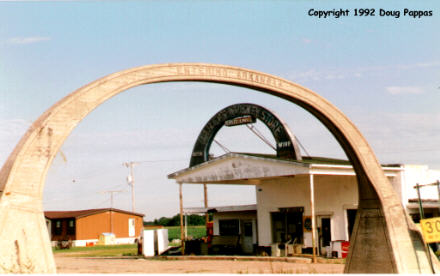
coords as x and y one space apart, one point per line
431 229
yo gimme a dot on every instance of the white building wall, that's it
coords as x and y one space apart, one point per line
78 243
333 195
396 183
421 174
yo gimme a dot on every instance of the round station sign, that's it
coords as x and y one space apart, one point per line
245 113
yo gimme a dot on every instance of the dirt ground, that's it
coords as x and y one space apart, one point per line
131 265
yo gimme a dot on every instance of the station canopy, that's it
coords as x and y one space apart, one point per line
251 169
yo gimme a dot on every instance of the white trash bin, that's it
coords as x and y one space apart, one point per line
148 243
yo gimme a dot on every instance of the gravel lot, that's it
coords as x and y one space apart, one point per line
131 265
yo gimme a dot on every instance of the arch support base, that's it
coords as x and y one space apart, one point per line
24 238
371 247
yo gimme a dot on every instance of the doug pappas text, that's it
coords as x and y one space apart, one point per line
365 12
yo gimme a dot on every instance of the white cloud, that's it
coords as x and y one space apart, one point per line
348 73
10 133
403 137
397 90
13 127
306 41
27 40
417 65
318 75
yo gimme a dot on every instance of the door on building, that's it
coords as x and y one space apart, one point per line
131 227
247 245
325 236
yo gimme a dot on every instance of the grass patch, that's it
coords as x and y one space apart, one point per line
99 250
196 232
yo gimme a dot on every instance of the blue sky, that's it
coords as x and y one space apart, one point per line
383 72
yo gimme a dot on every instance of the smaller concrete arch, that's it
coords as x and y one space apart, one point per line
286 145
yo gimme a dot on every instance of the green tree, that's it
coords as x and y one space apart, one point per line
175 220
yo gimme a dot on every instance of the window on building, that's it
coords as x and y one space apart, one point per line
229 227
247 229
71 227
57 227
287 225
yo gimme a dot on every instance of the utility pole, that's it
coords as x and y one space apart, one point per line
418 186
422 213
111 196
130 181
111 207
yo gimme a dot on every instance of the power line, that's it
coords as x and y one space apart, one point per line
406 150
100 204
123 188
155 161
111 196
92 174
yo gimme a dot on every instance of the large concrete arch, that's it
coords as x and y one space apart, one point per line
383 239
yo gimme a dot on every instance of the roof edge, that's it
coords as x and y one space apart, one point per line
86 212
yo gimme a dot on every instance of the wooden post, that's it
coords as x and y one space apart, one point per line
438 190
181 219
312 207
205 192
422 213
422 216
111 220
185 237
132 187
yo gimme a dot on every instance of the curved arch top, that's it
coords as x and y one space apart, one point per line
46 135
286 145
23 175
